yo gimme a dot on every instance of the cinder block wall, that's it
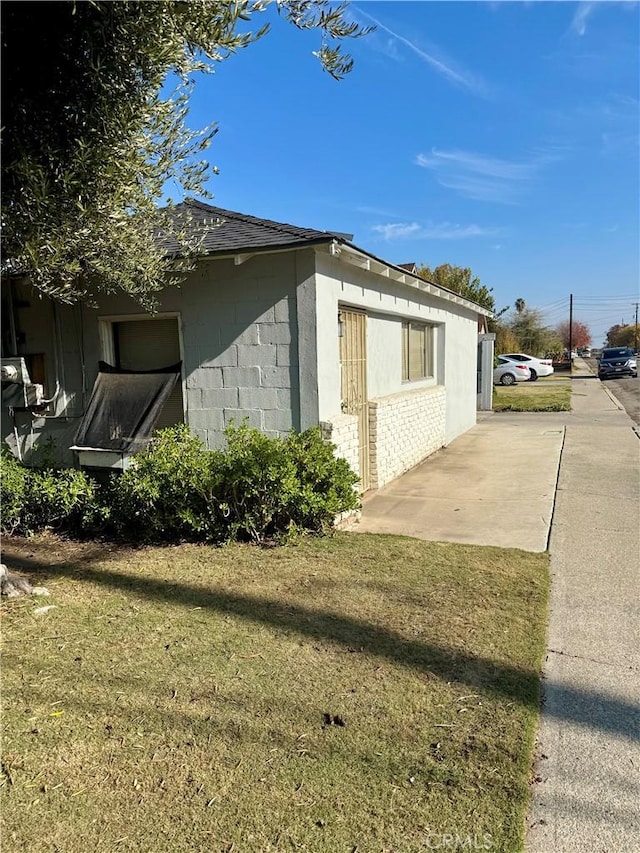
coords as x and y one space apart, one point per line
405 428
240 359
249 377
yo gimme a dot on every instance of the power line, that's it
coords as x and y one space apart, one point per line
611 309
604 298
555 304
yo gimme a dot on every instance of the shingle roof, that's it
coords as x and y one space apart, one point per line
221 231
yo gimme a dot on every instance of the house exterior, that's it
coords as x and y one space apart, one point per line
287 327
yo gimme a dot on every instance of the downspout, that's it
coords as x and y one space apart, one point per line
82 358
13 346
12 320
57 357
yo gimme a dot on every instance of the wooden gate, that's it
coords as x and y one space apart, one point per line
353 370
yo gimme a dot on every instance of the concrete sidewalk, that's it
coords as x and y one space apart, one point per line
588 798
496 485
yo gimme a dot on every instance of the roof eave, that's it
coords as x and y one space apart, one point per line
246 252
365 260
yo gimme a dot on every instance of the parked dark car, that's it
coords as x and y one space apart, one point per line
617 361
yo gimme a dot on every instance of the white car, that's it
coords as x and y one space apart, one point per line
537 366
509 372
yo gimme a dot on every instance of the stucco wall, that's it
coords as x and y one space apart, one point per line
387 303
459 360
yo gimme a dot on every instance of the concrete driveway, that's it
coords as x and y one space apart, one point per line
494 485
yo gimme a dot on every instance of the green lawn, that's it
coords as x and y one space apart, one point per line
546 395
192 698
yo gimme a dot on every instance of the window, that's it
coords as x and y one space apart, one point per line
142 343
417 351
149 345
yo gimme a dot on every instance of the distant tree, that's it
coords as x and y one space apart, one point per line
580 334
461 280
613 335
623 336
506 341
534 337
90 139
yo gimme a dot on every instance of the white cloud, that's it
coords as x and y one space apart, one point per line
491 167
398 230
445 67
374 211
579 22
432 231
478 189
485 178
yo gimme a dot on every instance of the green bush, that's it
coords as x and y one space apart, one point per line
274 488
68 500
325 484
167 492
35 499
13 489
256 483
259 488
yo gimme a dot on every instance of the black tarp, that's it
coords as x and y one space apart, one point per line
124 408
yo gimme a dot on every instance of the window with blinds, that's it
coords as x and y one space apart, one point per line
417 351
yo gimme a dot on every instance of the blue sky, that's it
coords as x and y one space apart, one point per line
493 135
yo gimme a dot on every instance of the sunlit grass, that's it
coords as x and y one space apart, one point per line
545 395
191 698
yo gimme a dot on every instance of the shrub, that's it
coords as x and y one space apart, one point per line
66 500
326 484
275 488
258 488
167 492
13 489
257 481
34 499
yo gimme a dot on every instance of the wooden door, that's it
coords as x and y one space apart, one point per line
353 370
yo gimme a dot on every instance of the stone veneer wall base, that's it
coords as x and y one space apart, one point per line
404 429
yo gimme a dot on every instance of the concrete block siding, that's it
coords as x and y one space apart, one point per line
239 324
238 340
259 340
251 378
404 428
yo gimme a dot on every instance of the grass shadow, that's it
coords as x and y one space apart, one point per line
586 708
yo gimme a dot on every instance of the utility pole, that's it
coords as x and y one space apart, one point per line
635 331
570 331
